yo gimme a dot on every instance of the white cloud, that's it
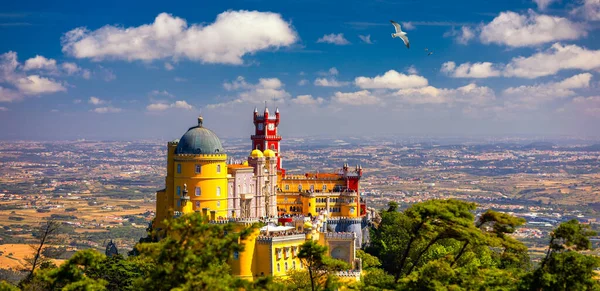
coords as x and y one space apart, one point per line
366 38
590 10
516 30
302 82
468 70
307 100
364 97
77 101
408 26
36 85
108 109
391 80
40 63
72 69
556 58
528 96
412 70
168 66
462 36
331 82
267 89
171 37
337 39
96 101
3 109
543 4
163 93
164 106
470 95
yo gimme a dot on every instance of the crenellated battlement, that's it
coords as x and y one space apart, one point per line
340 235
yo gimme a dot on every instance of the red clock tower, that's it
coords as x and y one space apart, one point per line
265 134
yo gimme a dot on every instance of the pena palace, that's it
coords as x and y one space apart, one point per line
325 207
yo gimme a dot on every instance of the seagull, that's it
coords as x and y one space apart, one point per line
430 53
399 33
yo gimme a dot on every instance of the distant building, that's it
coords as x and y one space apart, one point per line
297 207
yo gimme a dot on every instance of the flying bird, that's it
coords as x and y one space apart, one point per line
428 52
399 33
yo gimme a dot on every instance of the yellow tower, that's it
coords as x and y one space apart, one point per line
196 177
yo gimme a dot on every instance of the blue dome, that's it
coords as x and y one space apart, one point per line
199 140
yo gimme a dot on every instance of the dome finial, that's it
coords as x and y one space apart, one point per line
200 120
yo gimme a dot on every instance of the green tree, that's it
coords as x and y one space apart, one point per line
319 266
564 267
193 255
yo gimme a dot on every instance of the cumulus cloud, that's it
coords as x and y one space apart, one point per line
529 96
391 80
108 109
468 70
366 38
471 95
462 36
364 97
307 100
412 70
329 82
590 10
543 4
36 85
40 63
96 101
556 58
181 104
171 37
531 29
337 39
267 89
73 69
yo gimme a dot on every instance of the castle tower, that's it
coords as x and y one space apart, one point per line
196 162
266 135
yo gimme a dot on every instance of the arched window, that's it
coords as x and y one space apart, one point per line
286 266
197 204
198 169
273 147
287 187
218 191
278 268
198 191
299 187
178 168
324 187
218 168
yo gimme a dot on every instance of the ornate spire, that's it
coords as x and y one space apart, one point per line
200 120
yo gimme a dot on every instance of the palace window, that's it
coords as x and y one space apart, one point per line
197 204
278 267
178 168
236 255
178 203
273 148
218 168
198 191
218 203
198 169
299 187
294 265
178 190
286 266
287 187
218 191
324 187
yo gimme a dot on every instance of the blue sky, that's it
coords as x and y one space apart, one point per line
129 70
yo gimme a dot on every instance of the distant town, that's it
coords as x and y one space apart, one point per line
102 190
